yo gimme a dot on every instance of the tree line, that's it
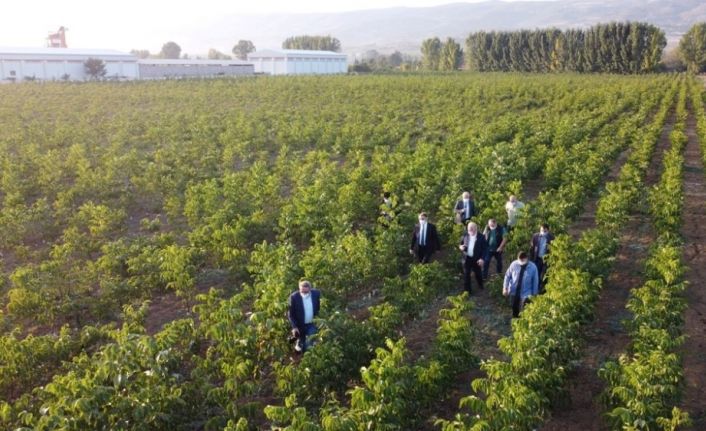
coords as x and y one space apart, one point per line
438 55
618 47
315 43
692 48
374 61
172 50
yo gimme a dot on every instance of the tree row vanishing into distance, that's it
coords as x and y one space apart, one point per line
629 47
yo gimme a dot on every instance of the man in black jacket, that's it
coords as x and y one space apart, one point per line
465 208
495 237
304 305
539 249
425 240
474 251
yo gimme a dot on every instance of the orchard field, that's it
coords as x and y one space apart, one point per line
151 233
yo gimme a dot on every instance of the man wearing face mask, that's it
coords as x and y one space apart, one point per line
495 236
304 305
425 240
474 251
521 283
539 249
465 208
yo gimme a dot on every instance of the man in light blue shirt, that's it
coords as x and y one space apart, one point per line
521 282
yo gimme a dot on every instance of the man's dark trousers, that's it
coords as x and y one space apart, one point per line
541 270
517 299
498 255
424 253
471 265
309 330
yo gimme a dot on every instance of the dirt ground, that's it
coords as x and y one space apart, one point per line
694 234
605 336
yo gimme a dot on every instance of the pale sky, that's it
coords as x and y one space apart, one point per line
128 24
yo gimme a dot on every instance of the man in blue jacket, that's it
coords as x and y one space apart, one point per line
304 305
521 283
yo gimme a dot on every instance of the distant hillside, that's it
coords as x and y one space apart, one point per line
404 28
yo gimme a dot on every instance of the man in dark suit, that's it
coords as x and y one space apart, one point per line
474 251
304 305
425 240
465 208
539 249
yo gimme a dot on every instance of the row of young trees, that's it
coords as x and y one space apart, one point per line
315 43
643 386
172 50
373 61
619 47
630 47
518 392
438 55
188 204
398 393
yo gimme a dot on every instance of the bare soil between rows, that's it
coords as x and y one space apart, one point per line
694 233
606 337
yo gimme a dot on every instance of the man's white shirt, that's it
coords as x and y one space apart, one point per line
308 308
471 245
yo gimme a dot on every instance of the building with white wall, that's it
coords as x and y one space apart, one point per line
59 64
163 68
56 64
298 62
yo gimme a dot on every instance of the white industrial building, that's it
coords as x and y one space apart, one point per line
162 68
298 62
55 64
59 64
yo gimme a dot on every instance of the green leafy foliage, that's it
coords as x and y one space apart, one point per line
248 186
643 386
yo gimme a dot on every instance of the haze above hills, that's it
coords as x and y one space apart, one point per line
403 29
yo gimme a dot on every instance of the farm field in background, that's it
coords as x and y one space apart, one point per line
151 233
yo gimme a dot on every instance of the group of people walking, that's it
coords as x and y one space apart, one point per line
522 280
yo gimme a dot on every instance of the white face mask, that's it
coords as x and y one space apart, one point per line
422 221
305 295
466 199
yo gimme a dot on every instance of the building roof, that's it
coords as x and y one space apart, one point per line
180 62
21 52
295 53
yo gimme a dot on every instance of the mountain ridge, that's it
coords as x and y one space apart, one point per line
403 28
